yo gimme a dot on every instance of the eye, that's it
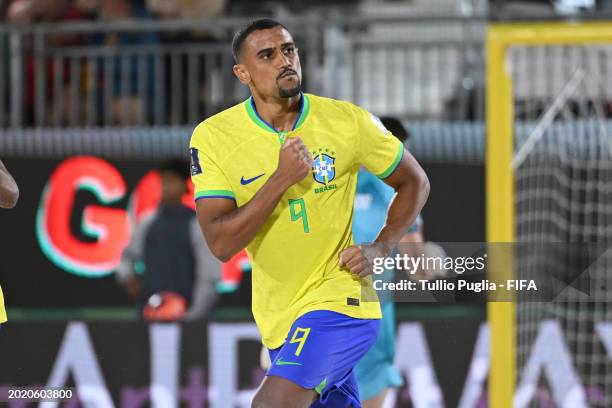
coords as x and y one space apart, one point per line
290 50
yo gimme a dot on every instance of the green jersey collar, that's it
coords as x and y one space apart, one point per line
259 121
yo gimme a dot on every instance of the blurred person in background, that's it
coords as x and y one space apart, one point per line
375 372
181 78
167 262
34 11
131 104
41 11
186 9
52 11
9 194
4 4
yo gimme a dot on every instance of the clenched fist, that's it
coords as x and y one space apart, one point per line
359 259
294 162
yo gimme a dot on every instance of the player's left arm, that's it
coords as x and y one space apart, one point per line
9 192
411 186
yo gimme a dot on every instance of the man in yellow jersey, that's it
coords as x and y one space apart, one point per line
276 174
9 193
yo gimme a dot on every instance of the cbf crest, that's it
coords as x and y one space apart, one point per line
324 169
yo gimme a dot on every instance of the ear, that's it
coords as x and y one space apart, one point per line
242 74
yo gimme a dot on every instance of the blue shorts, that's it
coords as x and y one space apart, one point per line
375 371
320 352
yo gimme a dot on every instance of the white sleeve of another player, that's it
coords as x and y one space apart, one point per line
207 273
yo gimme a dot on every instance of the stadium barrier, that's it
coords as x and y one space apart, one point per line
446 142
170 73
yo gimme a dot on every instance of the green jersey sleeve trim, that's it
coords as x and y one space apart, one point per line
215 194
396 162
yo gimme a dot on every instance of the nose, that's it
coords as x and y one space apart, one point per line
285 61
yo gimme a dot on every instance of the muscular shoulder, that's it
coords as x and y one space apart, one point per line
221 127
333 107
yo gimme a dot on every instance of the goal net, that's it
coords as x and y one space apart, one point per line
563 198
561 163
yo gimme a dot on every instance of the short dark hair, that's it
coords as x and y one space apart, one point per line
396 127
244 32
178 167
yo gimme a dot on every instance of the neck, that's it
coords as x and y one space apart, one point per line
281 113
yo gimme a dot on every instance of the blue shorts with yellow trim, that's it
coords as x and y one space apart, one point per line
320 353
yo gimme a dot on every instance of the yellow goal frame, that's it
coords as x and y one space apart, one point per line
499 175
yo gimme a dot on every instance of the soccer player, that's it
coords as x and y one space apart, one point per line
168 249
9 194
276 174
375 372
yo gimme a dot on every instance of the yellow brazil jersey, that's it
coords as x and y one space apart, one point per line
295 254
2 311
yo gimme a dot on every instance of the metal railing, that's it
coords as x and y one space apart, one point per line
144 73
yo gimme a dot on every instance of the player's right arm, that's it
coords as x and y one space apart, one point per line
9 192
229 228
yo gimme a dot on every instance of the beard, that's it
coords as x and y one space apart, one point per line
284 92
